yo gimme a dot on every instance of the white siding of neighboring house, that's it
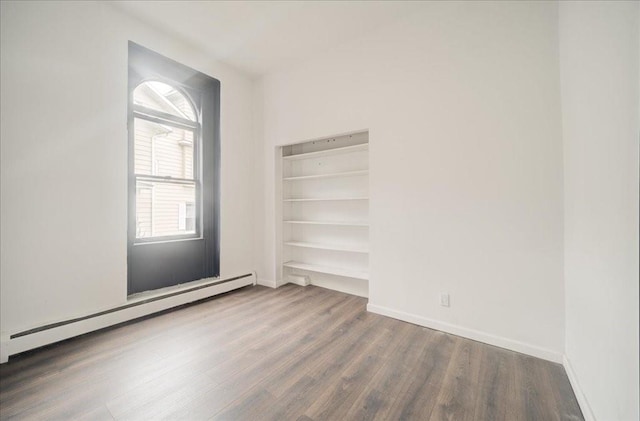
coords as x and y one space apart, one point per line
143 211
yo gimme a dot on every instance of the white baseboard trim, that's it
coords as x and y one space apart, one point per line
267 283
271 284
587 413
4 349
473 334
10 346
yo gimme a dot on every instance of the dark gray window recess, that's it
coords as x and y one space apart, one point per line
174 172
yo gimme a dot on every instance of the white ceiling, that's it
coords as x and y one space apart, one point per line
260 36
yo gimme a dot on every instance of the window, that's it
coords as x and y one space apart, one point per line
174 171
166 162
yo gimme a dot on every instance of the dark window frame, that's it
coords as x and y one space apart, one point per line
202 249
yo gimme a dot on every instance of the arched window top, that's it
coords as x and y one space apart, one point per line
162 97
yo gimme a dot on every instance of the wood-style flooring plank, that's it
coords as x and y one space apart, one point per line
293 353
460 385
498 387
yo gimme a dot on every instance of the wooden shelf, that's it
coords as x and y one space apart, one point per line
324 199
328 152
349 273
340 223
330 175
326 247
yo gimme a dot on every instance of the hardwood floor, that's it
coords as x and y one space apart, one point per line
295 353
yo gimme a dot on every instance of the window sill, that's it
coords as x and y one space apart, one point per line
171 290
172 240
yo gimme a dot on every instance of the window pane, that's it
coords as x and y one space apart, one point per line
165 208
162 150
162 97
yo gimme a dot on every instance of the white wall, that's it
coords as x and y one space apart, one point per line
64 158
463 107
600 52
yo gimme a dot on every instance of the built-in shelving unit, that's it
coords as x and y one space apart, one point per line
349 273
336 174
326 152
358 249
324 212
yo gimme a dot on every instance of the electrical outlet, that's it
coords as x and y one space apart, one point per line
444 299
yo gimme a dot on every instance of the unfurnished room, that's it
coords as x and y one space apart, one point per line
319 210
